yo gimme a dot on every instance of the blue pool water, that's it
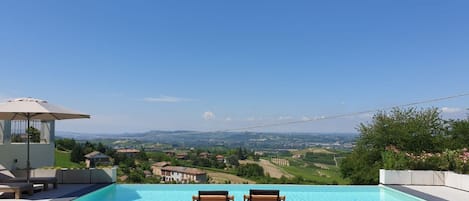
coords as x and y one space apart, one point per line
184 192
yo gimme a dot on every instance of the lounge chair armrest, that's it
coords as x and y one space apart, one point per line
282 198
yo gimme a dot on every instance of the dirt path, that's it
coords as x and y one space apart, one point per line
320 165
269 168
221 178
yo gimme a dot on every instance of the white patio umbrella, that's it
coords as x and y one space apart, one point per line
31 108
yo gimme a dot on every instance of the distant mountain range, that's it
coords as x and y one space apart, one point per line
230 139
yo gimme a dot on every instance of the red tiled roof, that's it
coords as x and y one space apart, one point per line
161 164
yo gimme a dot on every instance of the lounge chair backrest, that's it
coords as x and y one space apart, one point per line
213 193
264 192
223 195
274 193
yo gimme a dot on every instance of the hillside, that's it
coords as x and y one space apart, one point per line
254 140
62 159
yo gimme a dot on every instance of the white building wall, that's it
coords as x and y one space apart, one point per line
41 155
13 155
176 176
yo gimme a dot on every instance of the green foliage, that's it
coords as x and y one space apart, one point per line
142 155
312 174
65 144
250 170
88 147
324 158
101 148
458 134
406 129
158 156
454 160
136 176
232 160
77 154
35 134
242 153
412 131
395 160
361 166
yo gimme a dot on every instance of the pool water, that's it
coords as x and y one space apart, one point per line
184 192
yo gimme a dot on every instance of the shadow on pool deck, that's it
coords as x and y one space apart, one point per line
65 192
416 193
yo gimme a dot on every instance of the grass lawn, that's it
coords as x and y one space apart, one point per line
326 176
315 171
62 159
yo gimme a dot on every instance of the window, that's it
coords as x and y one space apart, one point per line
19 129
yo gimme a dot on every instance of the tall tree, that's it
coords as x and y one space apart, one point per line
406 129
458 134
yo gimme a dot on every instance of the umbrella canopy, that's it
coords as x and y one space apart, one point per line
21 108
31 108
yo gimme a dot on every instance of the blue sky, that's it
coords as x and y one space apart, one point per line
211 65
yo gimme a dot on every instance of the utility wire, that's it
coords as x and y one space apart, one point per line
346 114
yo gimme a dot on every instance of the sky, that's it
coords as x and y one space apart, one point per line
202 65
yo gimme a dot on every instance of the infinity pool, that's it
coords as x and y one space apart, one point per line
184 192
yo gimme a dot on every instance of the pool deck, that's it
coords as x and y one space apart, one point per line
64 192
433 193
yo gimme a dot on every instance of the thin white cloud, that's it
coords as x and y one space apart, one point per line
305 118
208 115
319 117
451 110
228 119
284 118
167 99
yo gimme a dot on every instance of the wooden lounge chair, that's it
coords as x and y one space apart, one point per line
213 196
8 177
264 195
16 188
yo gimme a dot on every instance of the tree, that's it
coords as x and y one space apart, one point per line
88 147
34 133
250 170
142 155
458 134
242 153
159 156
101 148
65 144
406 129
232 160
136 176
77 154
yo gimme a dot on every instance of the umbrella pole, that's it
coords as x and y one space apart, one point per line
28 164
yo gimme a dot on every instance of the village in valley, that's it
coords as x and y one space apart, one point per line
219 161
